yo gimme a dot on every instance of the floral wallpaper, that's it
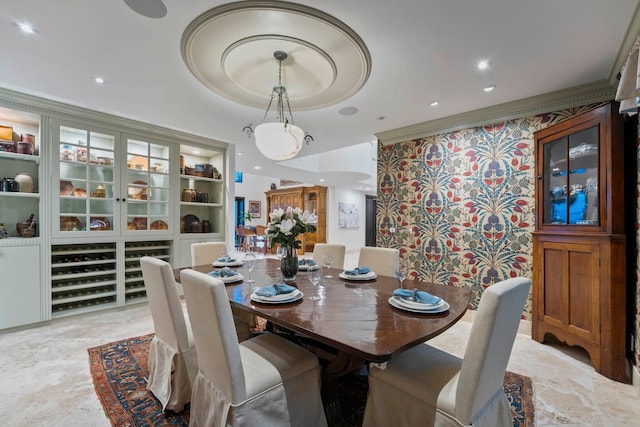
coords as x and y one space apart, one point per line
462 203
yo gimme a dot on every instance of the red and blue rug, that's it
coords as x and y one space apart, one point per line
119 371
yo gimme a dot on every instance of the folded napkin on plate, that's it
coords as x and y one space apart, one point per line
417 296
226 258
308 262
357 271
273 290
225 272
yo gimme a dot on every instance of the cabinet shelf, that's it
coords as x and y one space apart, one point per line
88 285
84 297
17 194
201 178
206 205
17 156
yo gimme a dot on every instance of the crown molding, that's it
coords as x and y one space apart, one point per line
575 96
630 37
59 110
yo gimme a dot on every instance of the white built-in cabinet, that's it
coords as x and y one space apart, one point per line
107 191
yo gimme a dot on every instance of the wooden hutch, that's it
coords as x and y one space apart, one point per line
313 199
579 243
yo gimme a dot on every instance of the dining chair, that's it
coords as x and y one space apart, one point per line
207 252
265 381
319 249
261 239
381 260
427 386
241 238
173 362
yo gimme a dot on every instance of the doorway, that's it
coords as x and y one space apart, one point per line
370 221
239 215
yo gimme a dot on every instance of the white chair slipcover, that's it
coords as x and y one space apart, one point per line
264 381
319 249
428 387
381 260
207 253
173 362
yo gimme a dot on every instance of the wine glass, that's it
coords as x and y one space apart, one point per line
402 270
314 277
280 252
327 260
249 263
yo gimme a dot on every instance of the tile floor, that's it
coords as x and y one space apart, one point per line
45 381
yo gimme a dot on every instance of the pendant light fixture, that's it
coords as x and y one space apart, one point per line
280 139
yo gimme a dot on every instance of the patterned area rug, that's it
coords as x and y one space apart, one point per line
119 371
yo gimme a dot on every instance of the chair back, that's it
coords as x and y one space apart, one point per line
319 249
214 333
164 302
489 347
381 260
207 252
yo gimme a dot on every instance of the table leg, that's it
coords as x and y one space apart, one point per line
342 365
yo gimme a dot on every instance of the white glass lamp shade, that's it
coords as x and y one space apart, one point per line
277 141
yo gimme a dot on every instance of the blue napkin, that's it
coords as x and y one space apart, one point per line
421 296
308 262
358 270
273 290
226 258
225 272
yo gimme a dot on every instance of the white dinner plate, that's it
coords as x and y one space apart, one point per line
418 305
235 263
230 279
437 309
368 276
278 299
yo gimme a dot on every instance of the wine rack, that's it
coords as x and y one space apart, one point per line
83 278
133 282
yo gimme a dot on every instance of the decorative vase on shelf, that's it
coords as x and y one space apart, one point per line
289 264
25 183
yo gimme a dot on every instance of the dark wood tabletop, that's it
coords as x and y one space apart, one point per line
353 317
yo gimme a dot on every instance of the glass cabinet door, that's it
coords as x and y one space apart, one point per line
570 179
87 179
147 186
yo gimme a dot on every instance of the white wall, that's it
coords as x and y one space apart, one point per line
352 238
253 187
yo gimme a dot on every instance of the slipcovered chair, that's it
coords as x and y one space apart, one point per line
207 253
319 249
429 387
173 362
264 381
381 260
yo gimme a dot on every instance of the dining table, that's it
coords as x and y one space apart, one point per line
353 317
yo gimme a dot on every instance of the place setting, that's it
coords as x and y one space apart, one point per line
307 265
358 273
279 293
227 275
227 261
418 301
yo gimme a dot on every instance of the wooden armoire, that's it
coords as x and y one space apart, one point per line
580 243
312 199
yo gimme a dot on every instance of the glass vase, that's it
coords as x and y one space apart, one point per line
289 264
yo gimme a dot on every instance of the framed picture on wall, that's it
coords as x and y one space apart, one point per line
348 215
254 208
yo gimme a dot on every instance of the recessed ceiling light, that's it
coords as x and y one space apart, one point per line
240 153
321 179
195 152
434 103
257 168
348 111
25 27
99 80
483 65
489 88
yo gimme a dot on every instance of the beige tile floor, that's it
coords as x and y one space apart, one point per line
45 381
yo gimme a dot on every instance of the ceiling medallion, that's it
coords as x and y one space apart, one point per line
230 49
